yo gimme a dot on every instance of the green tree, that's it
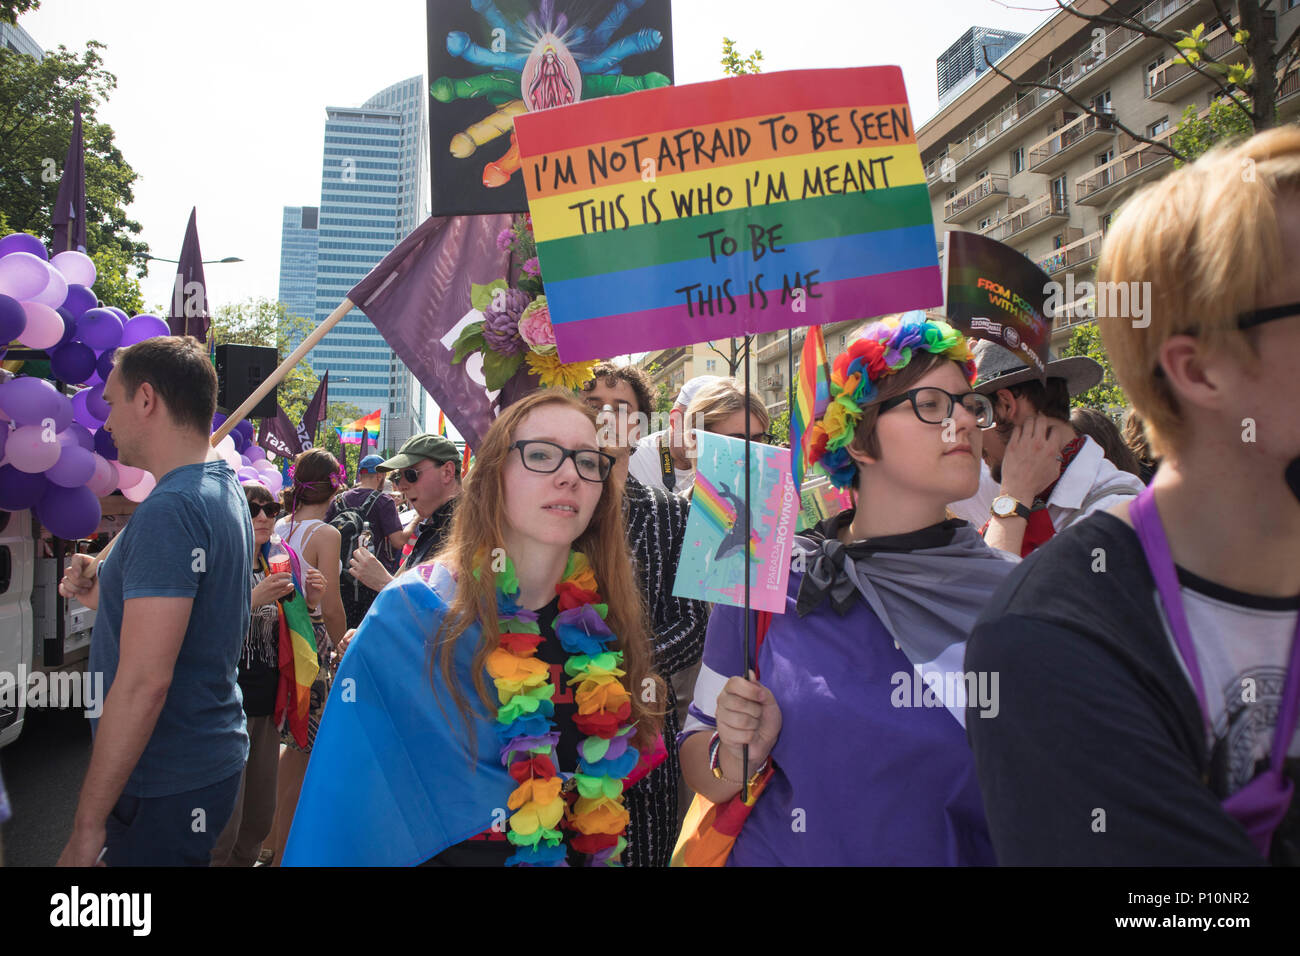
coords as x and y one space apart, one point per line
1107 395
113 284
9 9
36 103
1195 135
733 64
780 429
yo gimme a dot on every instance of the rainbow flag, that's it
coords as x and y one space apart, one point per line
442 424
299 660
719 512
812 394
751 204
464 468
367 426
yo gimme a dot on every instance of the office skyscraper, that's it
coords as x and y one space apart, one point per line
298 260
373 193
14 37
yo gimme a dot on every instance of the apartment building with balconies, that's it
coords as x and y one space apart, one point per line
1029 168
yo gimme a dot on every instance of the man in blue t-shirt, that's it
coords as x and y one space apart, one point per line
173 610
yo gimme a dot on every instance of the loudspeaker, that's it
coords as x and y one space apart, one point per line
240 369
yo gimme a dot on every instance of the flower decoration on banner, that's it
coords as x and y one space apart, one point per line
880 350
516 331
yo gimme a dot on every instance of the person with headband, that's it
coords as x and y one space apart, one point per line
501 695
855 723
660 459
1150 656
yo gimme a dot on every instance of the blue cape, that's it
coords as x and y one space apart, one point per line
390 782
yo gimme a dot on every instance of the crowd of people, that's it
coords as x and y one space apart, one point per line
1036 638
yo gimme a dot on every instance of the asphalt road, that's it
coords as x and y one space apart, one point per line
43 771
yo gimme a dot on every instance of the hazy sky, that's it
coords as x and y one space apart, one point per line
222 105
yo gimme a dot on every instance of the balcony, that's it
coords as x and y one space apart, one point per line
1029 219
1075 255
1130 168
1288 102
777 346
1116 40
1050 154
775 382
987 191
1170 81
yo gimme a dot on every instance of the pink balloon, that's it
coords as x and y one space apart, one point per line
128 477
44 325
23 275
27 450
141 491
104 480
75 267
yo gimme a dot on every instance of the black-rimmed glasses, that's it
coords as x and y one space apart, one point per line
546 457
269 508
934 406
1249 320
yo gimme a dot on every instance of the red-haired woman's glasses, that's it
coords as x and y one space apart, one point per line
546 458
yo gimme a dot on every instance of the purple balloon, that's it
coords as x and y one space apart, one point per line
105 445
218 420
12 319
119 313
23 242
69 327
82 414
23 275
256 453
248 474
73 469
19 490
79 300
245 428
100 329
4 436
77 434
29 400
69 513
143 327
73 362
105 364
240 441
95 403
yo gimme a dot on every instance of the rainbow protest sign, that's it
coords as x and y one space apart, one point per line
749 204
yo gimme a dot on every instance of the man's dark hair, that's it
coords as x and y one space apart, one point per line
1052 399
178 369
636 379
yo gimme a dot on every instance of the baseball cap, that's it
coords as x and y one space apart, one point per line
369 462
420 448
689 390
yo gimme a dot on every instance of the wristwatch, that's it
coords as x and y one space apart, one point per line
1005 506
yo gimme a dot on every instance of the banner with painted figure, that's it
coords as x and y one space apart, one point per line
708 211
996 293
714 554
491 60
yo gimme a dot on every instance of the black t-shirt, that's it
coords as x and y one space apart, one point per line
430 536
491 848
1098 753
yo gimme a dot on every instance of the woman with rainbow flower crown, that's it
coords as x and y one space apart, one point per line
855 725
497 700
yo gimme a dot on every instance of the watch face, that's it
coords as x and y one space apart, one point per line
1004 505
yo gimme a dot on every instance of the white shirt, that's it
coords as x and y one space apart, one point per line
1090 483
646 465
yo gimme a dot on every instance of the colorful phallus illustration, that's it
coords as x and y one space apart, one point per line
516 328
536 63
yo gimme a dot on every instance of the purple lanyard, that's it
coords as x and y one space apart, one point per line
1261 805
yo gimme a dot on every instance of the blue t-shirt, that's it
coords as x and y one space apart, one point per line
192 537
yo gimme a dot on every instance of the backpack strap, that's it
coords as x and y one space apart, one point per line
370 503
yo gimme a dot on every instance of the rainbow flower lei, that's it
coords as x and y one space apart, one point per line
882 348
526 728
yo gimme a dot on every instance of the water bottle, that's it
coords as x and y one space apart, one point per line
278 557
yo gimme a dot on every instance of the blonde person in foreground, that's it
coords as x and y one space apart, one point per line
496 700
1148 656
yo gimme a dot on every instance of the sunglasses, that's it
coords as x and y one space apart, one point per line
1249 320
412 475
270 509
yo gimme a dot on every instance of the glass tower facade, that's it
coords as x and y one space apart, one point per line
373 193
298 260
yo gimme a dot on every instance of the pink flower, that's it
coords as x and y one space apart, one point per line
535 327
504 238
533 267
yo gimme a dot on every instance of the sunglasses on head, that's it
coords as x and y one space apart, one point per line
268 508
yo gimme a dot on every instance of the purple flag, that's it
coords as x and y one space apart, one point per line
69 215
280 436
315 411
189 313
418 298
